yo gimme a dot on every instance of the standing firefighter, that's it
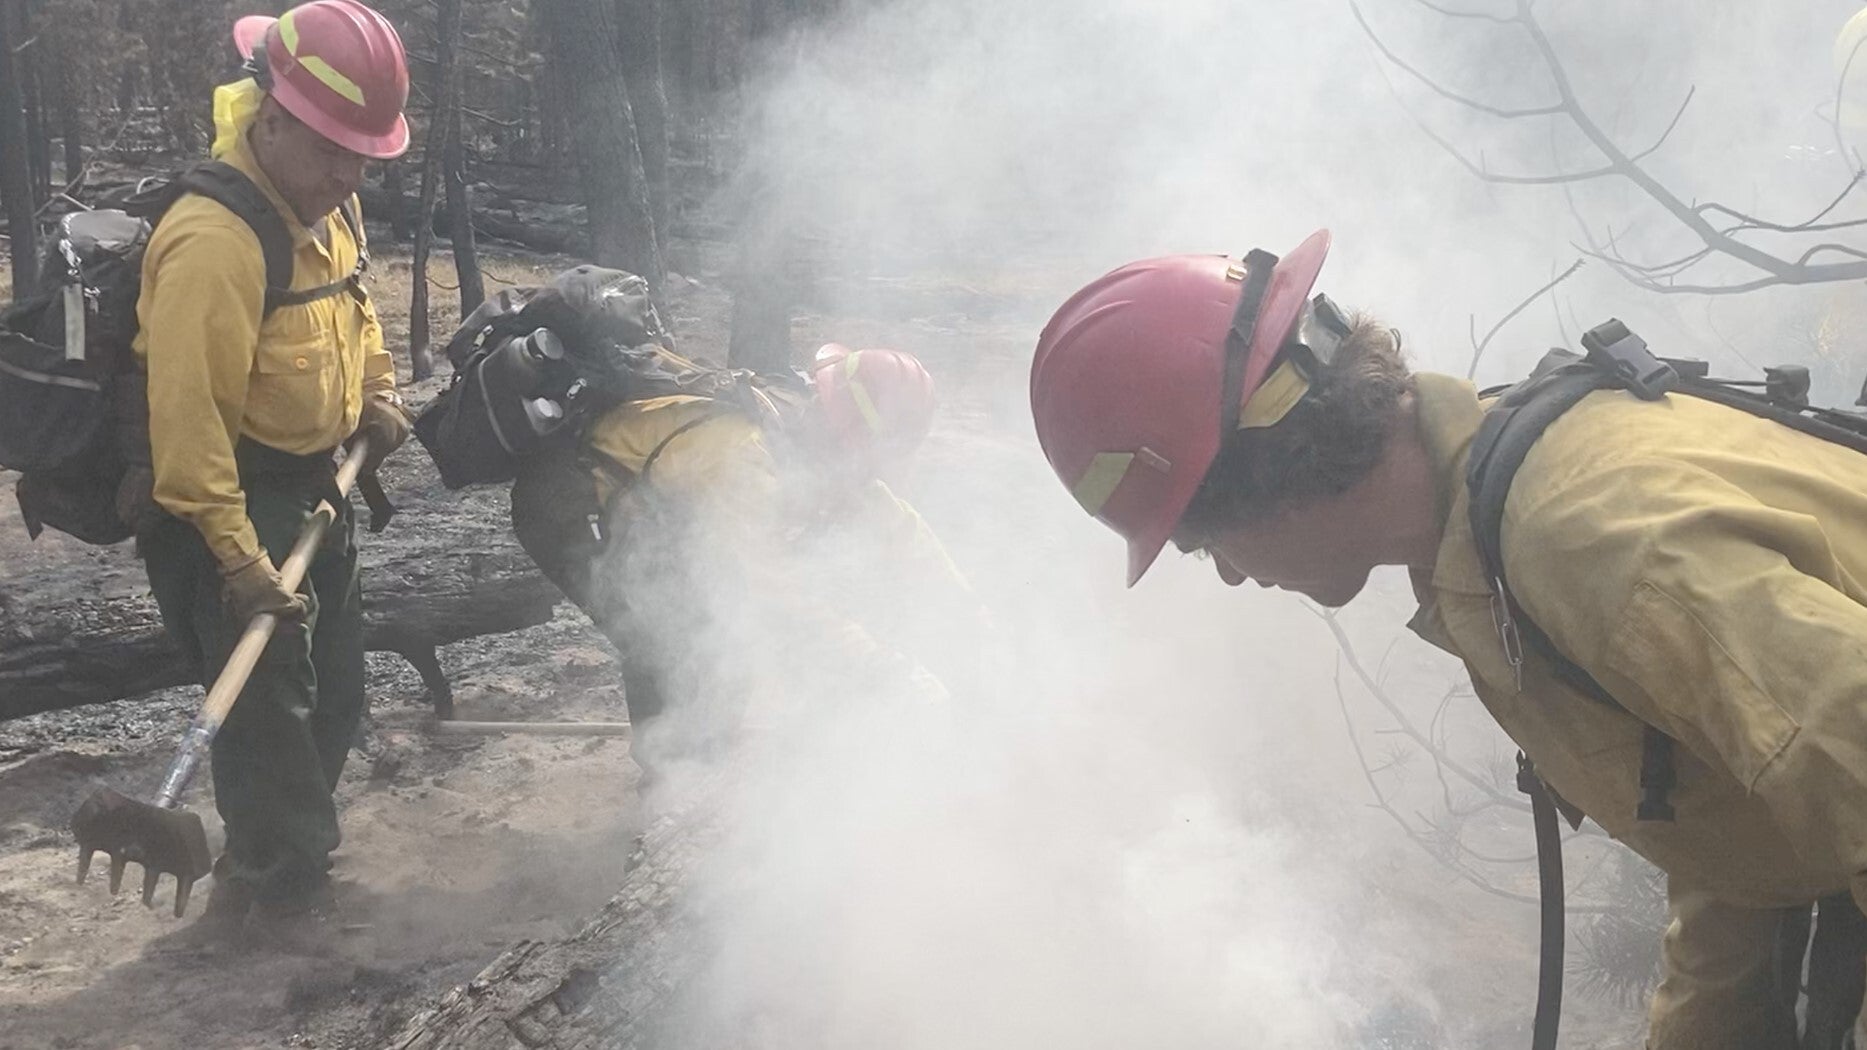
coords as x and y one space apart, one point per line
1666 613
250 390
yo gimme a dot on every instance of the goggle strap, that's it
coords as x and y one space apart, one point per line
1258 266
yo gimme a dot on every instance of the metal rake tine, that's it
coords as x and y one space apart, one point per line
117 864
183 885
84 863
150 875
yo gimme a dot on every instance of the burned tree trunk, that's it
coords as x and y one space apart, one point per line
70 124
38 131
420 339
453 160
763 279
581 36
66 643
15 156
638 42
395 212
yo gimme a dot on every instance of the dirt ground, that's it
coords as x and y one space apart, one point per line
457 848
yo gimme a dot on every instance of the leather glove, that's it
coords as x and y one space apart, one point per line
253 586
136 498
386 423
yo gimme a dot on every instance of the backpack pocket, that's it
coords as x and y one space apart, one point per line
53 409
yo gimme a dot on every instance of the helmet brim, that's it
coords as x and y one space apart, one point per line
250 32
1291 281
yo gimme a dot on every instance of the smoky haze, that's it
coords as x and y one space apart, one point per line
1148 828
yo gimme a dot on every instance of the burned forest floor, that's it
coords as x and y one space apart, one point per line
456 848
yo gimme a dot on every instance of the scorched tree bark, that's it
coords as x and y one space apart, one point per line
581 36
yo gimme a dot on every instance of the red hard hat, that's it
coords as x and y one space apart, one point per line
879 403
1129 384
336 65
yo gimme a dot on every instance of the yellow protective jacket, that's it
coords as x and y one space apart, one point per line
841 570
1706 566
295 382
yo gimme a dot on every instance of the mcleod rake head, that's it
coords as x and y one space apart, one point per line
163 841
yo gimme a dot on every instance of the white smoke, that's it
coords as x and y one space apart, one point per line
1149 829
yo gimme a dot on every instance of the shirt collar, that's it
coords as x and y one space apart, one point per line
1449 412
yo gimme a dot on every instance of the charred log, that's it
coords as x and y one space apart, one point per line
451 578
612 983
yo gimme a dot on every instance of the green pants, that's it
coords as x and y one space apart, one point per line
279 754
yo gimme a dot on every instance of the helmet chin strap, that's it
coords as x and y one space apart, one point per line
260 68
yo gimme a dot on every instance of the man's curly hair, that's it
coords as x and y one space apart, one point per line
1329 441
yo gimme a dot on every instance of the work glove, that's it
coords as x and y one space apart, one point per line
252 586
136 498
386 423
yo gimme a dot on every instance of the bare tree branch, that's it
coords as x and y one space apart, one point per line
1449 13
1478 345
1439 843
1405 724
1439 89
1663 277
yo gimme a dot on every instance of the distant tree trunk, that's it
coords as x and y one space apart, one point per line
453 160
609 157
395 212
70 123
38 132
15 156
763 278
638 42
420 350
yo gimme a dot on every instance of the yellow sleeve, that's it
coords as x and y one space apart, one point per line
199 314
1715 975
916 544
1721 621
947 627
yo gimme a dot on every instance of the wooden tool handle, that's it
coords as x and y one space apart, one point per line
245 655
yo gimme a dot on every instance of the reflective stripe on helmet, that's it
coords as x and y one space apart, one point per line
860 394
317 67
1274 398
1100 480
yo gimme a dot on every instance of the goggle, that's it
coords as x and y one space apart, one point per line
1312 344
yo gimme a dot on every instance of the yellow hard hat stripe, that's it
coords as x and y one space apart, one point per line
332 79
1100 480
1270 403
317 67
860 394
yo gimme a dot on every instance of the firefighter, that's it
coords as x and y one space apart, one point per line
699 532
249 395
1707 568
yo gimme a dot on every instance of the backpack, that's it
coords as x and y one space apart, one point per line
73 407
1615 359
534 366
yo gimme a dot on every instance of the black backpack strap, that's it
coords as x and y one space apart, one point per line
1504 439
227 186
1509 429
654 454
353 283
